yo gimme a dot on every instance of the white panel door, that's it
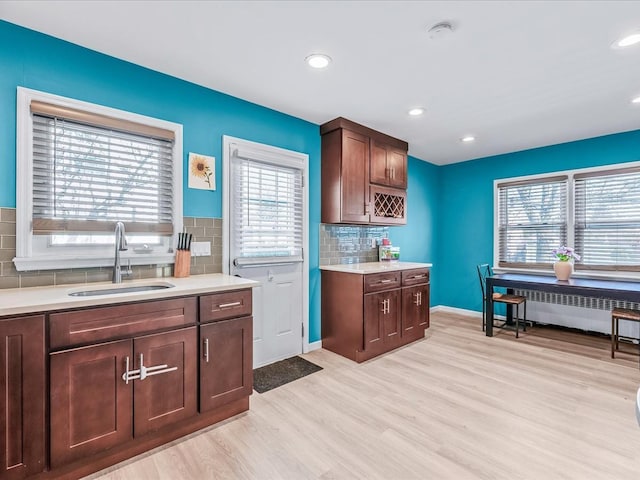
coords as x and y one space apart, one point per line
266 218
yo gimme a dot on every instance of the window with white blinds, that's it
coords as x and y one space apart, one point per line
607 219
532 220
81 168
267 218
87 176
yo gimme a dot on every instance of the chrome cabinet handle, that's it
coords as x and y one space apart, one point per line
418 300
386 306
125 375
415 277
228 305
386 280
206 350
144 372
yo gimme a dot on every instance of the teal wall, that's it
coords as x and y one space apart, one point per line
465 226
417 239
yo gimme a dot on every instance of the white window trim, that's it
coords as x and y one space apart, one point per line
24 260
282 157
605 274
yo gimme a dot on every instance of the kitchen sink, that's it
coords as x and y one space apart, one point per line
116 289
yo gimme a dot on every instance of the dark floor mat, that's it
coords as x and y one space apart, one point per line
271 376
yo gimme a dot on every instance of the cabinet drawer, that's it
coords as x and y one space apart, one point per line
106 323
415 276
376 282
219 306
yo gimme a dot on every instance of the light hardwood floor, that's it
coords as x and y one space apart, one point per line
456 405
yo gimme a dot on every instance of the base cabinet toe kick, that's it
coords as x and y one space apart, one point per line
87 388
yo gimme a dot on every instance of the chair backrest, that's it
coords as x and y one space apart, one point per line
484 271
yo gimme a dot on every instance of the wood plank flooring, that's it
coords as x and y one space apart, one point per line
455 405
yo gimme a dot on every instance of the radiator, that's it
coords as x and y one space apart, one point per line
574 311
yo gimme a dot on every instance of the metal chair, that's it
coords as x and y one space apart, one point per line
618 314
484 271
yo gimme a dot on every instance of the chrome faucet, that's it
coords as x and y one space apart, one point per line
121 246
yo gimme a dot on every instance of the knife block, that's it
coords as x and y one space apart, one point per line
182 266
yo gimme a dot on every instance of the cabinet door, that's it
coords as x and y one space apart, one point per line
397 168
90 402
381 320
22 386
388 166
354 177
226 362
378 172
168 393
415 310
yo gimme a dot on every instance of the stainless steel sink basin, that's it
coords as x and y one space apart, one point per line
116 289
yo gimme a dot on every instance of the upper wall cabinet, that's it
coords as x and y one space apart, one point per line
364 175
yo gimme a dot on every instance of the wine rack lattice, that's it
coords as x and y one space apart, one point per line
388 205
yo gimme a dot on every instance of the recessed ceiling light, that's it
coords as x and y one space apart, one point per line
416 112
318 60
636 100
468 138
627 40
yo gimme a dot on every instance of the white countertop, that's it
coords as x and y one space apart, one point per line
14 301
374 267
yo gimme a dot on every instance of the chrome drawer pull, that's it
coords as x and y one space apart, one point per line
206 350
227 305
418 276
386 280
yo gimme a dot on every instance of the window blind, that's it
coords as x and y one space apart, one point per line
532 218
87 176
267 216
607 219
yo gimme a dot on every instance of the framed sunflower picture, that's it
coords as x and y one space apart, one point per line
202 172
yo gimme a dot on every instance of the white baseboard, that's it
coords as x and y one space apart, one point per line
314 346
460 311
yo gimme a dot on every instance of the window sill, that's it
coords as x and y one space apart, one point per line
603 275
27 264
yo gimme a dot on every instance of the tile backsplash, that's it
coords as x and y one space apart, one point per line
340 244
203 230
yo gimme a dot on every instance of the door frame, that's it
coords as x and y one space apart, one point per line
271 152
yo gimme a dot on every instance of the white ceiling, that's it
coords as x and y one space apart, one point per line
516 74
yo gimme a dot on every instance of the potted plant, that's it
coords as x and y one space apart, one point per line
563 266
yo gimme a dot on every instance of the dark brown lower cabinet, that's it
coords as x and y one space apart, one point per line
22 390
415 310
91 406
169 393
382 321
95 405
226 362
365 315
